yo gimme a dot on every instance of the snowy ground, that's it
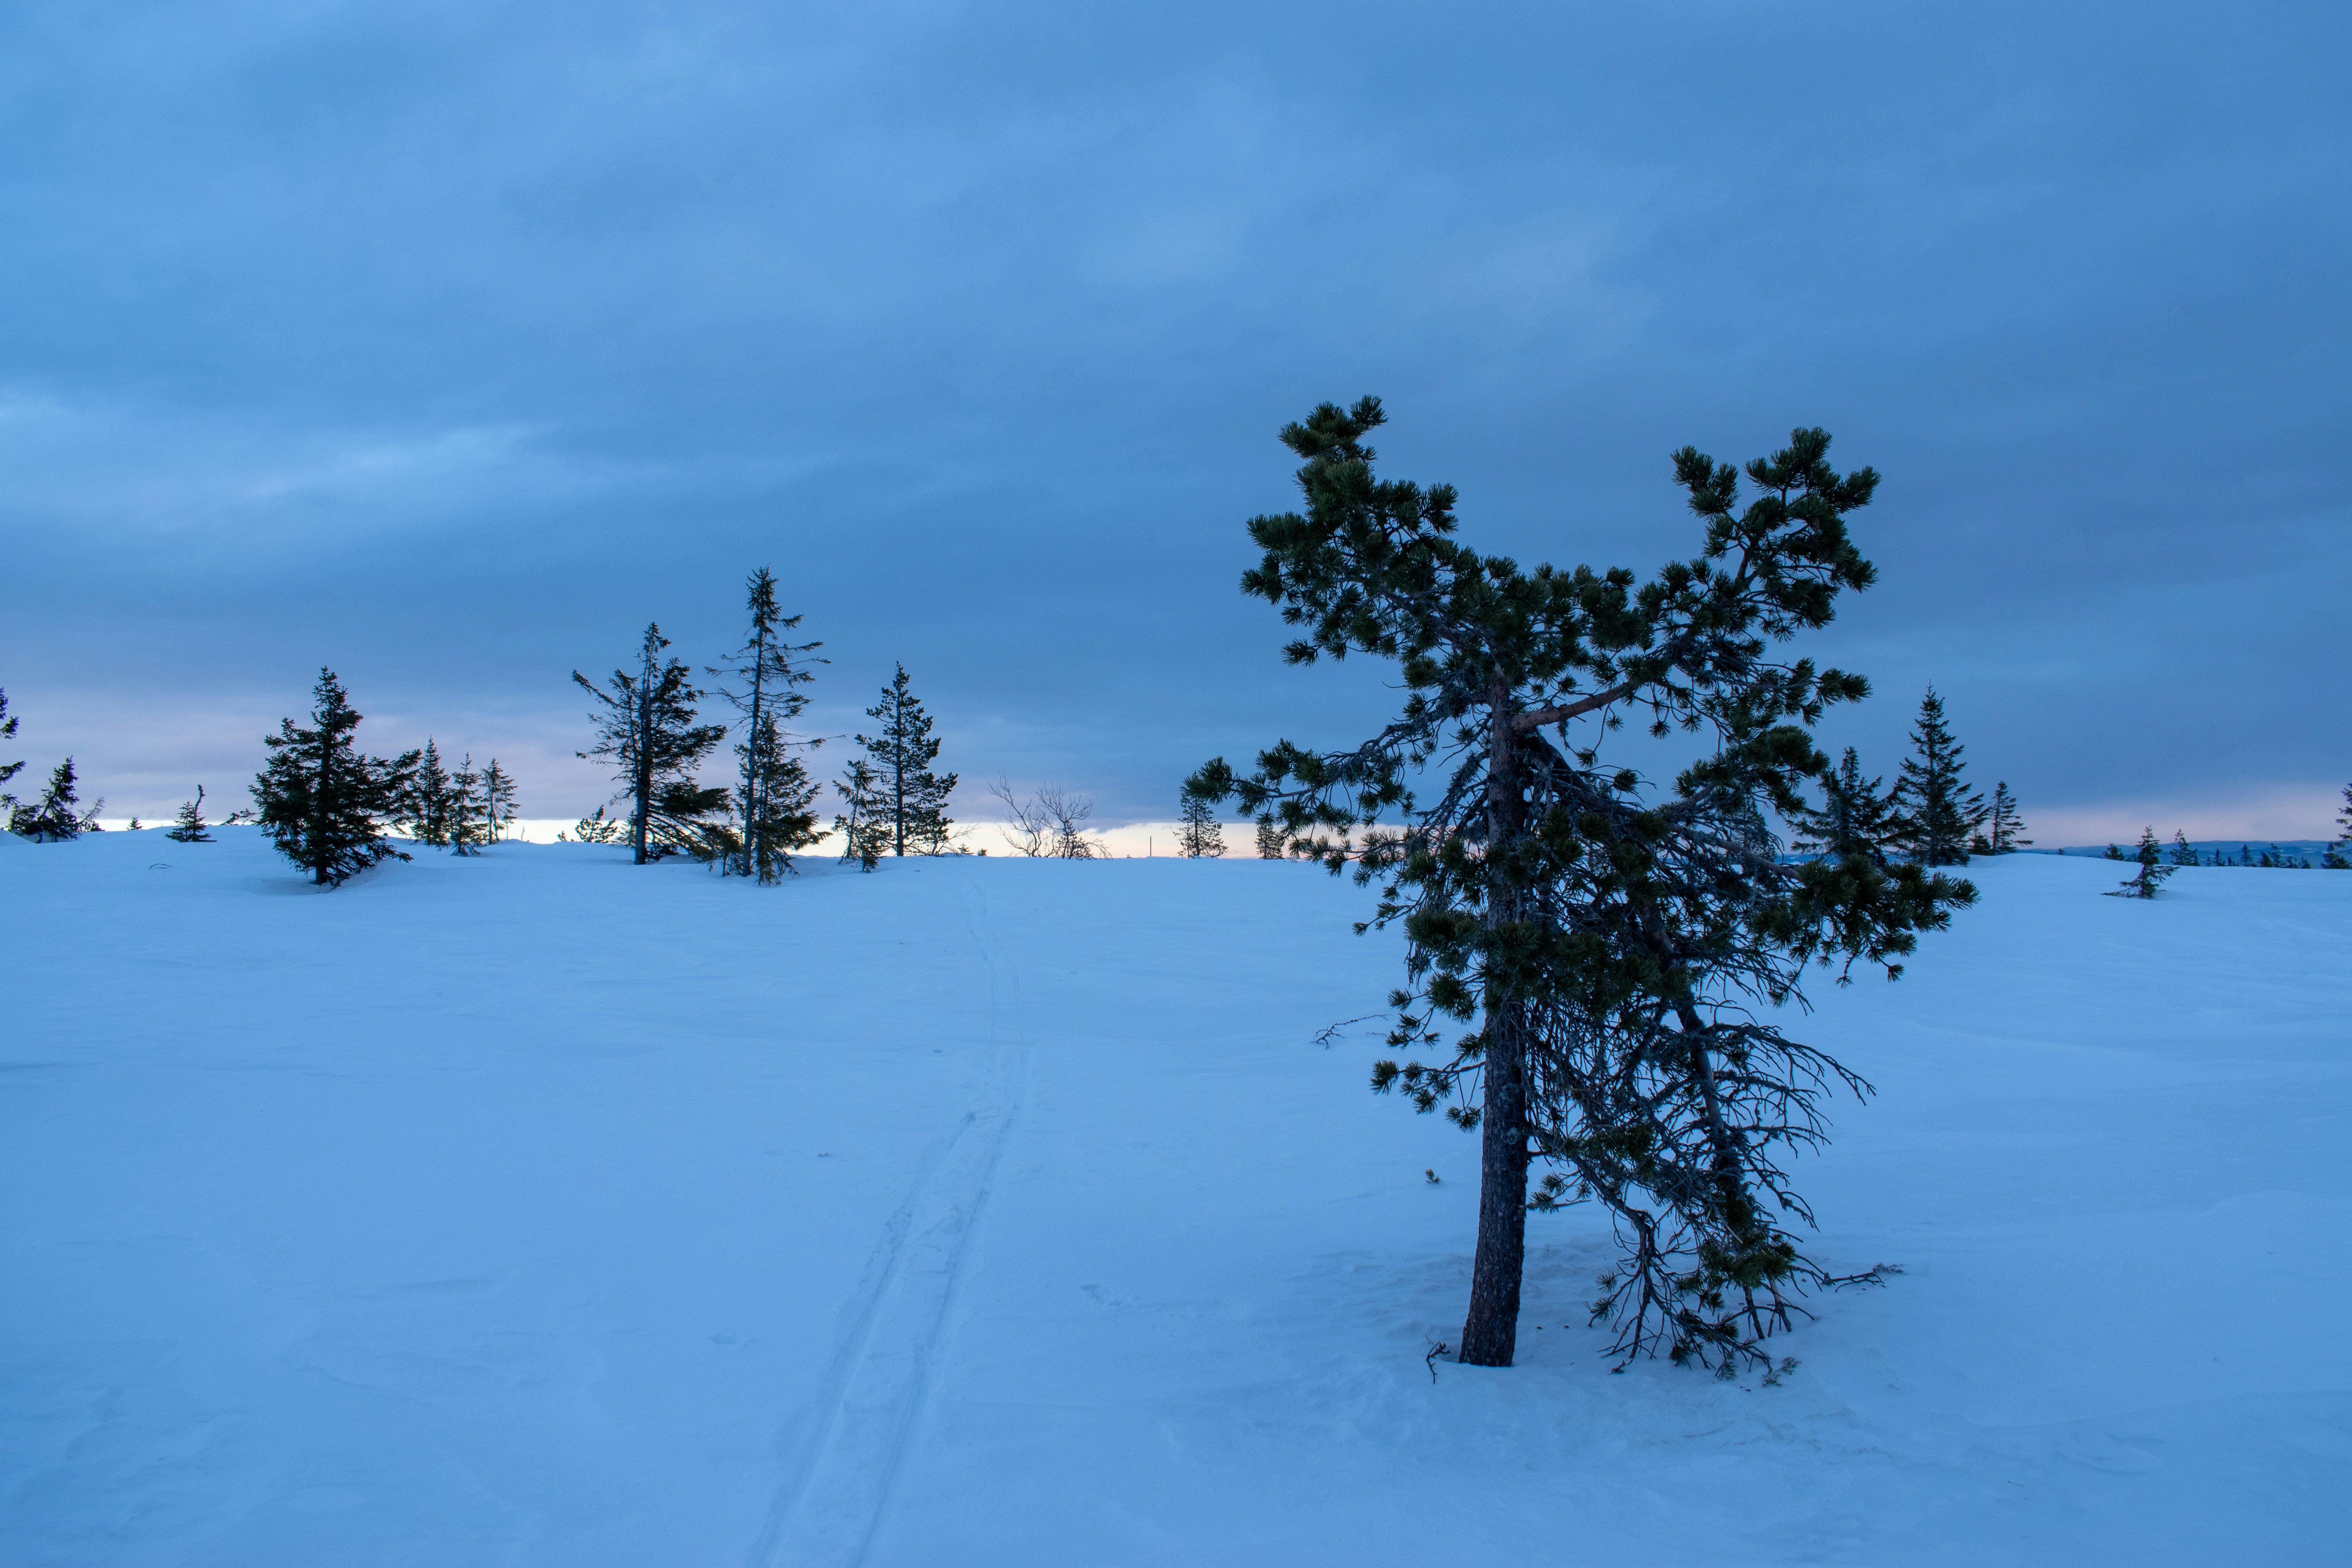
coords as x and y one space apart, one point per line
542 1210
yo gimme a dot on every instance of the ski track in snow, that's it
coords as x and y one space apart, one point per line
837 1496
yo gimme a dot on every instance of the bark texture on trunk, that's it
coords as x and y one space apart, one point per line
1490 1332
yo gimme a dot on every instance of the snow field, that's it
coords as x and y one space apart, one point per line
539 1209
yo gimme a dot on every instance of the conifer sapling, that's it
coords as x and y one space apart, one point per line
323 803
190 826
1198 834
2144 882
1936 811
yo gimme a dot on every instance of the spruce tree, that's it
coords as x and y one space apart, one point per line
1854 817
10 770
427 811
498 802
1199 837
56 816
324 803
1934 806
865 826
2182 853
597 828
2144 882
2002 825
646 727
189 827
1618 941
465 824
912 798
2343 817
775 798
1272 844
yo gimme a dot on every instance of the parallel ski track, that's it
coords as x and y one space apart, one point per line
834 1500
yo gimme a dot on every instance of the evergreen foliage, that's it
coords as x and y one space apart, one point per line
911 799
10 770
55 817
498 797
2181 852
324 803
1272 844
466 825
1621 938
2343 817
865 827
1854 817
1199 837
430 798
2002 825
646 728
775 799
189 827
597 828
2144 882
1936 811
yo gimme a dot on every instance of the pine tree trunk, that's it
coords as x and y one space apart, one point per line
1491 1330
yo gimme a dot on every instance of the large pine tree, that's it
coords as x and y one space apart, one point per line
913 799
1936 811
646 728
775 799
1625 942
322 802
1198 835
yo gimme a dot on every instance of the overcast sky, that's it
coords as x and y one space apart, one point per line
449 345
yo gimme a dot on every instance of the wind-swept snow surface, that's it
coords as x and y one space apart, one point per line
537 1209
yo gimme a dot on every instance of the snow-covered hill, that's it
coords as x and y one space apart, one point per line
539 1209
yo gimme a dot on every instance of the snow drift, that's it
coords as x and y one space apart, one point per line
539 1209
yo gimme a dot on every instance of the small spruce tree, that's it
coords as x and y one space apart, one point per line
597 828
2144 882
55 817
429 799
1854 817
10 770
2002 825
324 803
912 799
1199 837
498 802
465 824
1272 844
2182 852
775 799
190 826
865 826
1936 811
646 728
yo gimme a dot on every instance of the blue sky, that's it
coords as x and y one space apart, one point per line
449 345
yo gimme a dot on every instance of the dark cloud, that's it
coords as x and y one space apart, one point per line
449 344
